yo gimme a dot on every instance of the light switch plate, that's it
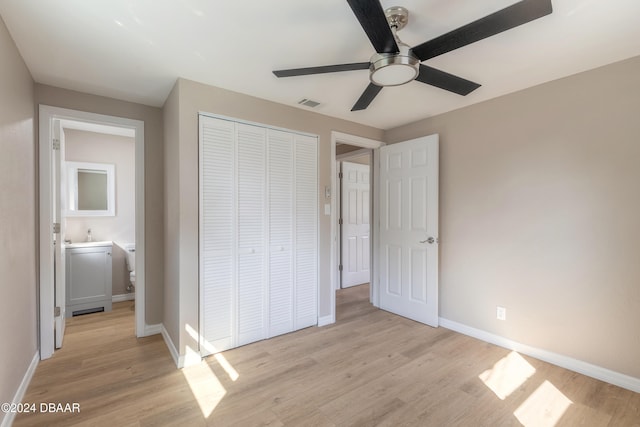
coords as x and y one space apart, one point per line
327 208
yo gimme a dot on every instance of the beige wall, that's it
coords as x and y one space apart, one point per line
171 118
346 148
539 208
193 97
154 181
18 283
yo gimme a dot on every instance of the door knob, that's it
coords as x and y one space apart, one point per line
429 240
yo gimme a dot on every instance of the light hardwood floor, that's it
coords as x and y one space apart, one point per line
370 368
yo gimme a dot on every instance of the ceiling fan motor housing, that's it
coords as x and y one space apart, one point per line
394 69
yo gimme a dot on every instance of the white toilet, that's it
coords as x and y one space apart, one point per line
130 249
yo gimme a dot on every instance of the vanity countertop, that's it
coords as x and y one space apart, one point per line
87 244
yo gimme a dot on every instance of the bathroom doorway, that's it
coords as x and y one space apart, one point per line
91 211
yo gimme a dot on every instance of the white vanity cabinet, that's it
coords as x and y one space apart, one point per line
88 278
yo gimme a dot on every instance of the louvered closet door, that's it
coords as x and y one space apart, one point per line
251 175
306 234
258 233
280 183
217 234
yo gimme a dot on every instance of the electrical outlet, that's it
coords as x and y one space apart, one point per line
501 313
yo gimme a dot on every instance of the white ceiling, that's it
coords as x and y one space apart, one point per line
134 50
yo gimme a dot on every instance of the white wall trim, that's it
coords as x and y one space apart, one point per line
172 348
123 297
22 389
152 330
326 320
358 141
579 366
370 144
181 360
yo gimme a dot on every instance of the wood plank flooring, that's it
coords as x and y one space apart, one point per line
370 368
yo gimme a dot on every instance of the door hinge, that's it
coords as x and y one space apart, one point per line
56 312
340 175
340 267
56 144
340 221
56 227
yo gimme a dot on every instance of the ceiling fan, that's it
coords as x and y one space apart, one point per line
395 63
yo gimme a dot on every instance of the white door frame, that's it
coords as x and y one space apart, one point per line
371 144
46 287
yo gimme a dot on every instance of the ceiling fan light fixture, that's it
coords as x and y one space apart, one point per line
394 69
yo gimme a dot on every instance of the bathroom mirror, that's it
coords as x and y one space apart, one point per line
90 189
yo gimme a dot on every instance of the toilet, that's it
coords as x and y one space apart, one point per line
130 249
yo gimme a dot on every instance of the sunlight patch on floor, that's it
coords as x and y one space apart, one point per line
544 407
233 374
205 386
507 375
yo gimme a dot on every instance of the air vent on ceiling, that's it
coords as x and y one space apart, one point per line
308 103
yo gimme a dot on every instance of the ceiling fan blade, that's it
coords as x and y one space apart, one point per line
374 22
367 96
446 81
323 69
502 20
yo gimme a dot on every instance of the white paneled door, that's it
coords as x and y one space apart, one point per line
409 229
258 233
355 196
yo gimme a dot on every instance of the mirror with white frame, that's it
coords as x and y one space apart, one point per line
90 189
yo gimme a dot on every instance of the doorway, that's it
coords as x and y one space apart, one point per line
365 146
55 209
354 211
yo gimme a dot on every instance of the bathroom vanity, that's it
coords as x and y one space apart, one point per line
88 277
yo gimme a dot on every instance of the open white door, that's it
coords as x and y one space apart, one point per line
409 229
58 183
354 204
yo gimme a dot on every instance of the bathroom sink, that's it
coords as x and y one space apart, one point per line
87 244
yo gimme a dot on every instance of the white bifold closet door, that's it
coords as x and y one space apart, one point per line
258 233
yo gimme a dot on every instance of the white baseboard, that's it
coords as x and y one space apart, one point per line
22 389
123 297
153 329
326 320
181 360
170 346
594 371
